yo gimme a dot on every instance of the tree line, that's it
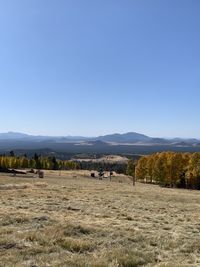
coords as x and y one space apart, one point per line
12 161
35 162
169 169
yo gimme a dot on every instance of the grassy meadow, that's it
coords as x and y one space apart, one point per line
74 220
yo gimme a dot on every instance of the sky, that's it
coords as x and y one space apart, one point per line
93 67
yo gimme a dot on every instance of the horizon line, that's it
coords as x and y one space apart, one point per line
93 136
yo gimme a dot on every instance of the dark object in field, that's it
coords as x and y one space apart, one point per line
111 173
42 218
133 180
13 171
73 209
93 175
101 175
17 172
31 171
40 174
8 246
2 169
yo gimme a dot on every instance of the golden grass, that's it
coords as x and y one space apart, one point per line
73 220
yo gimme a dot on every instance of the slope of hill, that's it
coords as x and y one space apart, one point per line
67 221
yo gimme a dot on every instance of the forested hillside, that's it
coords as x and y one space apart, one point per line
170 169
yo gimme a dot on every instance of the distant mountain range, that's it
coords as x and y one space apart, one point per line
131 138
66 147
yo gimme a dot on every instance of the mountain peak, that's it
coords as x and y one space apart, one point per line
125 138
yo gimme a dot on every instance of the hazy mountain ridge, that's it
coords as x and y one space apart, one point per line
120 144
126 138
22 136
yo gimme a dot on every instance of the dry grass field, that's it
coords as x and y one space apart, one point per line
73 220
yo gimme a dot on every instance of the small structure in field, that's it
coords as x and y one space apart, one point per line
40 174
15 172
93 175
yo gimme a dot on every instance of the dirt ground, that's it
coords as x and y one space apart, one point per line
74 220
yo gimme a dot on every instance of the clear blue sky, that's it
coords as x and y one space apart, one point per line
100 66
